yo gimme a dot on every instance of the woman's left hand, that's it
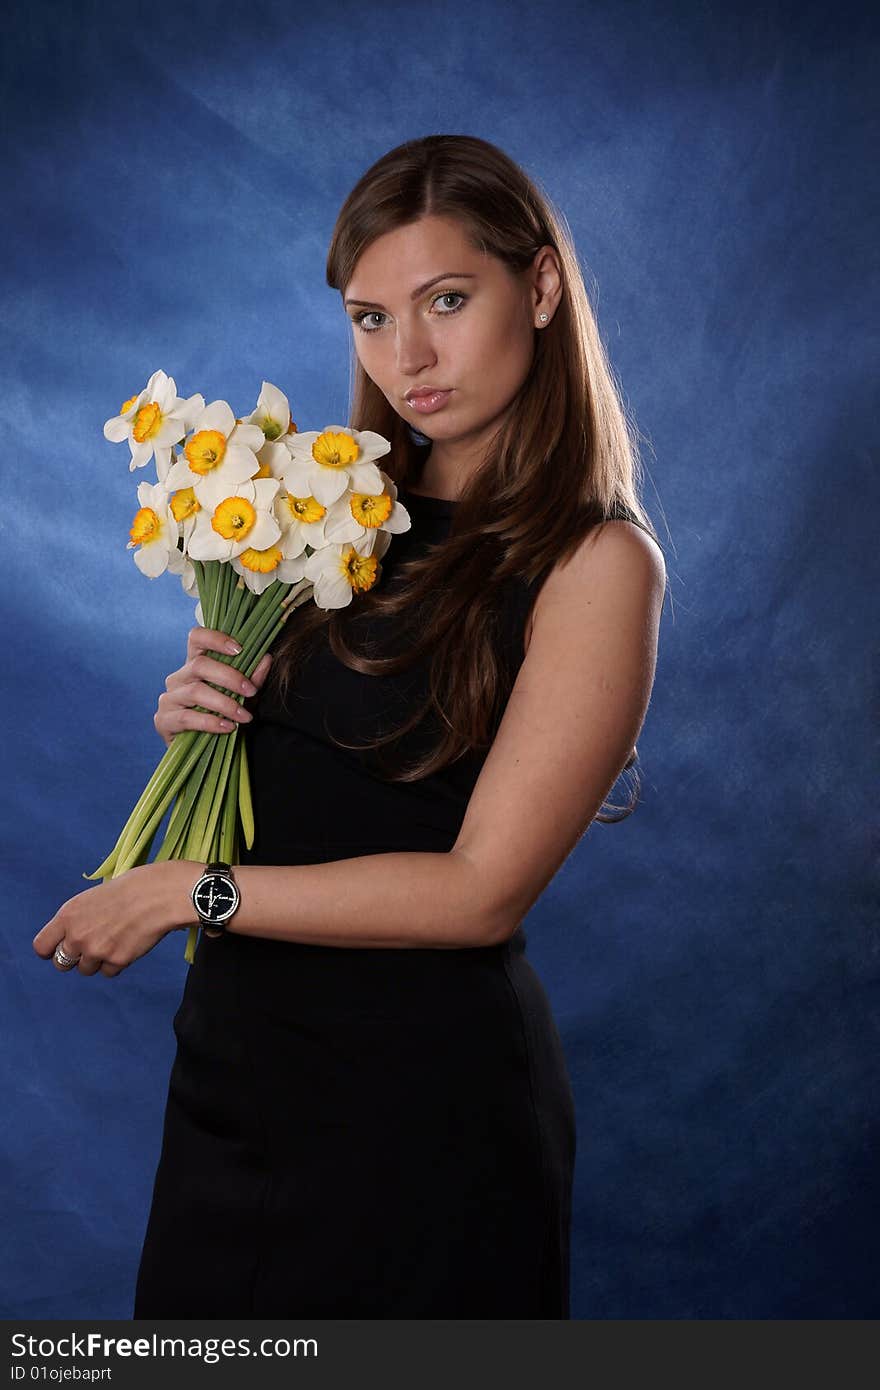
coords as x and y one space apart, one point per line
116 922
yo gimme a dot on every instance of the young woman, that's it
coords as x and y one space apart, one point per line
369 1113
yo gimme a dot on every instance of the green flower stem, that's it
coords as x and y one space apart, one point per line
229 817
212 795
258 640
165 770
298 595
206 578
168 771
177 818
206 775
273 633
228 592
178 824
192 937
239 607
245 802
302 586
206 809
225 585
147 823
219 571
256 643
265 620
254 635
205 595
253 618
278 620
190 846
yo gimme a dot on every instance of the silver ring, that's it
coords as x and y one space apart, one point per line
63 960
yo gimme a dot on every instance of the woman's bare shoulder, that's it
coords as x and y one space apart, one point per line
619 554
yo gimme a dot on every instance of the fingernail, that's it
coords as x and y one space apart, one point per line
233 647
249 688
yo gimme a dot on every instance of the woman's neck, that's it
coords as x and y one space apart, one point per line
430 481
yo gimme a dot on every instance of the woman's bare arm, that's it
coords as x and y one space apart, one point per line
574 715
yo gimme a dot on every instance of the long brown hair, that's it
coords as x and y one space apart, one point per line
564 460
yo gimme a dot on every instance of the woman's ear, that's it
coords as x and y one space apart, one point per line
546 282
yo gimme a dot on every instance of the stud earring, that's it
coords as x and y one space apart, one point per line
543 317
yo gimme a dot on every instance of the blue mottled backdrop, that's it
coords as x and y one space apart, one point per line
171 178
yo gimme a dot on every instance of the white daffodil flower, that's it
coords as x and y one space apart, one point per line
188 580
154 532
272 414
220 450
354 514
285 560
272 459
325 464
185 507
304 516
301 523
340 571
234 519
152 421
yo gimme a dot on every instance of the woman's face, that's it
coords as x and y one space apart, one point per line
428 310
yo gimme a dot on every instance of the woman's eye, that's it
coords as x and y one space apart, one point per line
362 320
451 294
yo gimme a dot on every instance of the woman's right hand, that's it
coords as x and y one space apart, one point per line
189 686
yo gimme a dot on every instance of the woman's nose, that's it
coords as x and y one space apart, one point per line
414 350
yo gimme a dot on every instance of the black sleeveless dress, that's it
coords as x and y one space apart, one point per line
361 1133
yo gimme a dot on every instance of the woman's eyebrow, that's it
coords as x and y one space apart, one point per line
447 275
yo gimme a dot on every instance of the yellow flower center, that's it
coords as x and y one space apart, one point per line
127 405
206 450
234 518
146 527
371 509
264 471
184 503
261 561
271 428
304 508
334 449
360 570
147 422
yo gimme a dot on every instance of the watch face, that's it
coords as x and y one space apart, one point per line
215 898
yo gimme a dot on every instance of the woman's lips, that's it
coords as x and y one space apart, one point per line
426 404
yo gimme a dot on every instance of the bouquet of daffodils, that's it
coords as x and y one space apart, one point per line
256 517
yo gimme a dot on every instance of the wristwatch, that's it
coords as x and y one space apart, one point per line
215 898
